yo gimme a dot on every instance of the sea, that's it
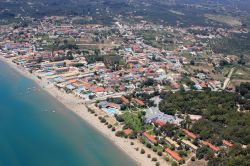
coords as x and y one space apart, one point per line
37 130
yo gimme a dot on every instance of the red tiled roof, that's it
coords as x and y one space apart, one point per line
214 148
72 81
175 155
127 131
190 134
203 85
138 101
160 123
98 89
113 105
140 69
86 84
227 143
125 100
150 137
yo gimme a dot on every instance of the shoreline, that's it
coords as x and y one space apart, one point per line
78 107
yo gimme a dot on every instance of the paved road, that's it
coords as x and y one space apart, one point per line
227 80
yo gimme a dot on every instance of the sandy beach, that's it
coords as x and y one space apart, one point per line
77 106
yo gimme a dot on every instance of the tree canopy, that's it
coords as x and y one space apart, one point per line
220 116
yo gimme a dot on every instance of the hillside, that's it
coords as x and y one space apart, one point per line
173 12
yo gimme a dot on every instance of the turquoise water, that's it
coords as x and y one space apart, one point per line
38 130
111 110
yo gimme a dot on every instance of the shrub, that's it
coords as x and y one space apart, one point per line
142 141
156 144
149 145
182 161
174 164
166 158
113 128
142 151
109 126
154 159
132 136
155 149
103 120
159 153
193 158
149 155
157 164
119 133
182 153
131 143
119 118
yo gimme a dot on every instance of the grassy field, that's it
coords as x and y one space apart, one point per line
232 21
217 75
241 74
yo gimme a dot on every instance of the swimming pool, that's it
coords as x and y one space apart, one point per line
111 110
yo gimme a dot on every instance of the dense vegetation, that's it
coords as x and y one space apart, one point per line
182 12
201 103
236 156
220 118
112 61
235 44
244 90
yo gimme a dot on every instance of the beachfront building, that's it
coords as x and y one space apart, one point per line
98 91
153 115
125 100
69 88
173 154
150 137
189 144
60 70
211 146
189 134
138 102
172 142
227 144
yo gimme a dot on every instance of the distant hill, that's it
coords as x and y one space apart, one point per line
185 12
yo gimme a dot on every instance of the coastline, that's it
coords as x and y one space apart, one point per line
78 107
